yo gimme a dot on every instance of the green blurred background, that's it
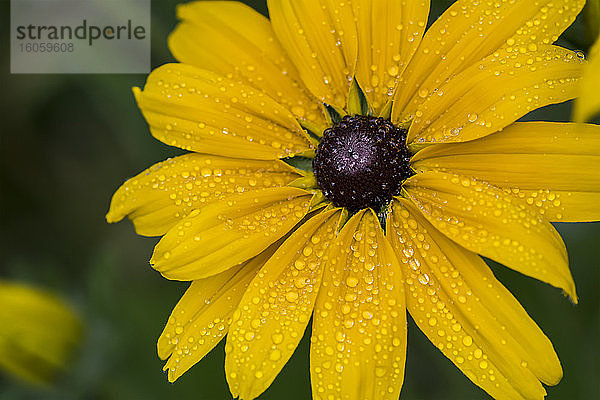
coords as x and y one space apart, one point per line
66 144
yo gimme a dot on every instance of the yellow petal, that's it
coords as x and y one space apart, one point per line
358 344
238 42
554 166
320 38
588 102
203 315
202 111
389 33
38 333
471 30
484 219
562 205
466 313
228 232
273 314
492 94
156 199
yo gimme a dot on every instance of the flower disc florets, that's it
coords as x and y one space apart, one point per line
361 162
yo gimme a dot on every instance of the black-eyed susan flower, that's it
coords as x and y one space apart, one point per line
38 333
347 166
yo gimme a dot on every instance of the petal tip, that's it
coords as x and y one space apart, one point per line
162 351
570 291
180 10
555 377
137 93
115 214
155 261
111 218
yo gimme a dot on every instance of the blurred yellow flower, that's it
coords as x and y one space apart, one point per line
38 333
347 166
587 104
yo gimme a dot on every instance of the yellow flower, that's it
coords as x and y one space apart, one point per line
38 333
347 166
587 104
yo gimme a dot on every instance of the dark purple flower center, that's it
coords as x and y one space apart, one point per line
361 162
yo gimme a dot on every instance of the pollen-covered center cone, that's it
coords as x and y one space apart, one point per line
361 162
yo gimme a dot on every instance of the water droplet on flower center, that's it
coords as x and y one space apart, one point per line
361 162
